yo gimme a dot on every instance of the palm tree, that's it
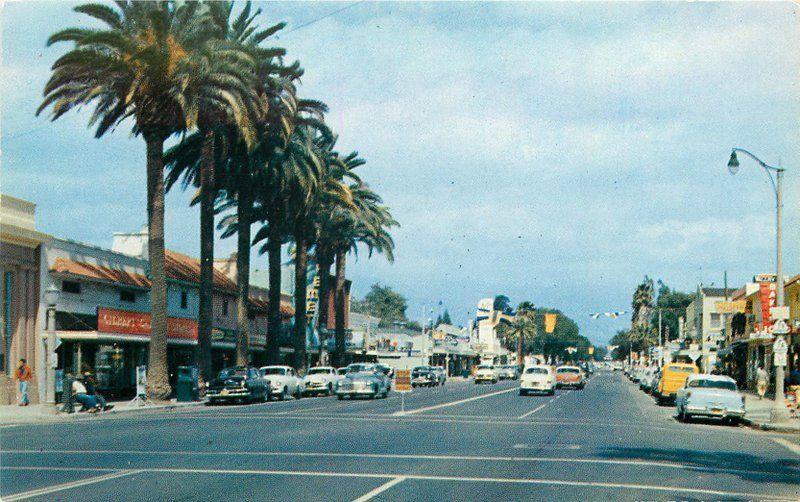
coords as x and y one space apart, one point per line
341 230
521 328
139 65
223 99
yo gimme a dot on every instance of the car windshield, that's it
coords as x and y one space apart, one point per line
274 371
681 369
233 372
485 367
569 370
319 371
712 384
360 368
536 371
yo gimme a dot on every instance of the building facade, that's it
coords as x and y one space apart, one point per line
20 249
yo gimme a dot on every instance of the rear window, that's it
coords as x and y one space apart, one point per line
712 384
536 371
274 371
319 371
681 369
568 370
485 367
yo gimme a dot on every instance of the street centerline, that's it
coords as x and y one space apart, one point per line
423 477
453 403
372 493
67 486
526 415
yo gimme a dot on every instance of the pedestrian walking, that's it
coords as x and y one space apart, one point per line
761 381
23 375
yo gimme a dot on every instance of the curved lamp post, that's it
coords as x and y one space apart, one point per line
779 411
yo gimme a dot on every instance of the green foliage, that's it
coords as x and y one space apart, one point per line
446 318
383 302
673 305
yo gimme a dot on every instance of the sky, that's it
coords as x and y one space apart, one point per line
551 152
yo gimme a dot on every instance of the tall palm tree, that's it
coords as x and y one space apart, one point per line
223 99
341 230
137 66
522 327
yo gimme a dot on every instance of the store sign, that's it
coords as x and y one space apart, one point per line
312 298
138 323
736 307
766 293
223 335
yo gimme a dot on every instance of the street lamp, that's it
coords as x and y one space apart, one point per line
51 361
779 411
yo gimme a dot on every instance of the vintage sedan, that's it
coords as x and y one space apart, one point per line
238 384
423 376
363 380
320 380
539 378
713 396
570 376
284 380
486 373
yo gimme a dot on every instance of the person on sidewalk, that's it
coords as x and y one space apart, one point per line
88 403
90 382
762 380
23 376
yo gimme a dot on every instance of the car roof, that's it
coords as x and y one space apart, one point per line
707 376
569 366
321 368
546 366
275 366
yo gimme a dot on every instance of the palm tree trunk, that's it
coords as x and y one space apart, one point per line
206 315
157 371
274 304
519 350
243 211
339 300
324 263
300 320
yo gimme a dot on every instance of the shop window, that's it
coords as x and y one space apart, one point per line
71 287
127 296
184 300
225 307
8 287
715 321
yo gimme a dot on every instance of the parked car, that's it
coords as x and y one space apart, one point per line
341 371
713 396
570 376
507 372
673 377
423 376
616 366
486 373
284 380
441 374
387 370
363 380
538 378
238 384
320 380
646 378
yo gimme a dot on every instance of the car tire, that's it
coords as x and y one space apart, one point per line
339 397
284 394
523 392
494 381
552 392
330 389
298 394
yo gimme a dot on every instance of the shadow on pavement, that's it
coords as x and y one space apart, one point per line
747 467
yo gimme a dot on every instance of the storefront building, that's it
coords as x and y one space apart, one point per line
102 313
20 248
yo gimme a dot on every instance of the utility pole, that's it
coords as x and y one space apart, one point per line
660 341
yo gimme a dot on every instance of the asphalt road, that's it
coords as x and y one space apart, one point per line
457 442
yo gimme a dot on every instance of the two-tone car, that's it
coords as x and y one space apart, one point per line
423 376
238 384
486 373
710 396
320 380
441 374
284 381
363 380
569 377
537 379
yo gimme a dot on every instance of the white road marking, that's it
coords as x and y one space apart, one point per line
454 403
383 456
424 477
67 486
794 448
372 493
526 415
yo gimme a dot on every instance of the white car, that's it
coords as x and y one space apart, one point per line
321 380
538 378
283 380
487 373
713 396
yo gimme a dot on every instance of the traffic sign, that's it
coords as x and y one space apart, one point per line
402 380
780 347
780 328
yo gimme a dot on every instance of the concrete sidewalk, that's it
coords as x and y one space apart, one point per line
16 415
757 412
